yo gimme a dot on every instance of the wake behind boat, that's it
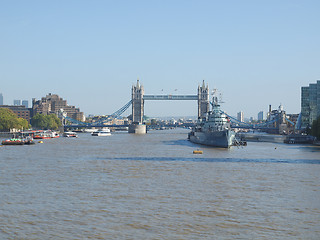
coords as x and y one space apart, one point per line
213 130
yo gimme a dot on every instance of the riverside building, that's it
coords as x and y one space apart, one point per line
25 103
310 104
20 111
17 102
52 104
260 116
240 116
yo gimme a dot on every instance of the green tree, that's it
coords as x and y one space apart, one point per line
42 121
315 129
9 120
154 121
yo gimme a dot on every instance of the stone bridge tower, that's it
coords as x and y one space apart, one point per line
203 100
137 103
137 110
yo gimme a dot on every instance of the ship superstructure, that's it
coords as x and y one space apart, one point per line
213 129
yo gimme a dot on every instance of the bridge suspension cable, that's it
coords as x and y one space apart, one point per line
103 120
247 125
121 110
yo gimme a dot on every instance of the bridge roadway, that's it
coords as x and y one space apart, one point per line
170 97
96 126
161 125
126 125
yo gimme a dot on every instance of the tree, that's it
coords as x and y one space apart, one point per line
154 121
9 120
315 128
42 121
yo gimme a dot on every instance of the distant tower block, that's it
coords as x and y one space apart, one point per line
203 100
137 103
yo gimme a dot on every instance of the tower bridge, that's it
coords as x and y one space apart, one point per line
138 99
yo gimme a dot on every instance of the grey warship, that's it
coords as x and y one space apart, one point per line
214 129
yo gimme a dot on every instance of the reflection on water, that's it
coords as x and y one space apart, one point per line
152 187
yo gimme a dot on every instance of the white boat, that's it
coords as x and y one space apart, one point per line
90 130
102 132
70 134
54 135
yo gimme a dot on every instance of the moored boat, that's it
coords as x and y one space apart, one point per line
29 142
18 141
54 134
213 130
13 141
45 134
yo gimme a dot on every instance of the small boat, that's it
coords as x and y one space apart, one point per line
13 141
70 134
29 141
90 130
45 134
18 141
197 151
41 135
102 132
54 135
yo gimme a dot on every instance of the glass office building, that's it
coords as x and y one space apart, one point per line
260 116
310 104
25 103
16 102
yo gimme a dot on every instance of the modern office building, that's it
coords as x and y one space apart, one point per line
260 116
25 103
1 99
52 104
240 116
310 104
16 102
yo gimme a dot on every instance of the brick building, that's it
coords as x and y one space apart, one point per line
21 111
52 104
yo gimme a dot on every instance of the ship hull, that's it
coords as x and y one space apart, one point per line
223 139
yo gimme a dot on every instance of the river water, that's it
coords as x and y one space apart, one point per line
152 186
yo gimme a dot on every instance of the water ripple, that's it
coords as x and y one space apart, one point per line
227 160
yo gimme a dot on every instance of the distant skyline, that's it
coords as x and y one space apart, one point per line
91 52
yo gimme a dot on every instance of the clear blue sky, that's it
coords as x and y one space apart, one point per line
91 52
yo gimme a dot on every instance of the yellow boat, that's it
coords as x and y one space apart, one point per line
197 152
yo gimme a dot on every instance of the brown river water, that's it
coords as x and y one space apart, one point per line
152 186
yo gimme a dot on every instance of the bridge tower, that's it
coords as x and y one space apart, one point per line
137 110
203 100
137 103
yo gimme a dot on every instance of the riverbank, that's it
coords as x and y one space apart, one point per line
317 143
261 137
289 139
